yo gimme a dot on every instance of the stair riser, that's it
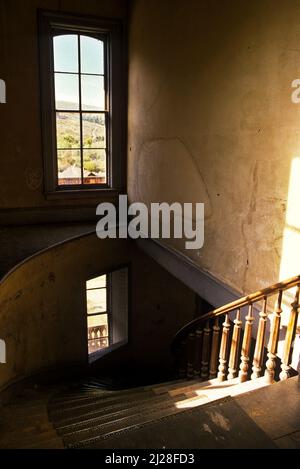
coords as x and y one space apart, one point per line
124 422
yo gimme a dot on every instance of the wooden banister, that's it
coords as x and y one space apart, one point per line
235 305
205 345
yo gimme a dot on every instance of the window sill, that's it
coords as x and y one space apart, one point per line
82 194
101 353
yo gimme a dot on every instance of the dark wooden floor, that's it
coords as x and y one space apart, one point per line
276 410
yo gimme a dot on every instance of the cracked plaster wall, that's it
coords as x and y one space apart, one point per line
211 120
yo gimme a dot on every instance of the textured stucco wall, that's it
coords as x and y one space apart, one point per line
43 309
211 120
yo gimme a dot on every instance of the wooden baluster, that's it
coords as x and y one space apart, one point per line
273 341
235 344
182 360
260 342
245 356
223 349
198 353
289 337
190 355
213 366
205 352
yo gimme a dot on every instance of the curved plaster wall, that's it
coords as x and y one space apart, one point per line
43 309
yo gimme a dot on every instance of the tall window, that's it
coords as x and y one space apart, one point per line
97 297
83 89
82 109
107 312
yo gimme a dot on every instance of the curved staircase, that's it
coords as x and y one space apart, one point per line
93 419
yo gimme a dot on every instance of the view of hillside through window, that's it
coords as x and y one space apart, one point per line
81 111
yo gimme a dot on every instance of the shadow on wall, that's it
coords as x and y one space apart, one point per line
43 318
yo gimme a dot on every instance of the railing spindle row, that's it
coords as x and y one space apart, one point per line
210 352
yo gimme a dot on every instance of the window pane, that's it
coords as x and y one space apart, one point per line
99 282
92 55
68 129
94 133
94 166
93 95
100 321
96 301
65 53
97 332
69 167
66 92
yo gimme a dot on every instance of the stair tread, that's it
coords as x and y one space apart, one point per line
141 417
106 418
111 432
99 408
114 399
144 421
86 394
113 396
220 424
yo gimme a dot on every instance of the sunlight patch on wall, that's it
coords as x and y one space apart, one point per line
290 258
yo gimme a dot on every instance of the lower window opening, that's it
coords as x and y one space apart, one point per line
107 312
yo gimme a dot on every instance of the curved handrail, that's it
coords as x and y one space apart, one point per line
244 301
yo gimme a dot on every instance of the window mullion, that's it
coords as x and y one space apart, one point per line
80 108
107 112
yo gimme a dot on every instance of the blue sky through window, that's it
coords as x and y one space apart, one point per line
66 60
